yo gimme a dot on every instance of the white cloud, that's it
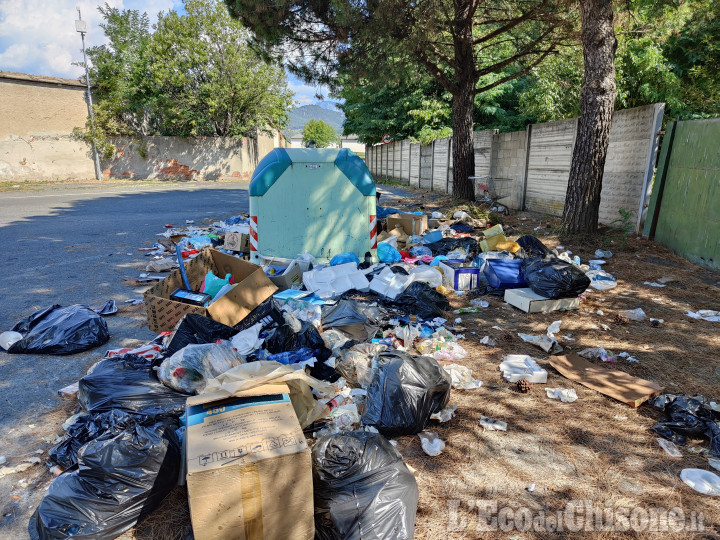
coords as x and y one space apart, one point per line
305 93
39 37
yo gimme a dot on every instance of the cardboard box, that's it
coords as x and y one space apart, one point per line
531 302
249 470
411 223
235 241
291 275
252 289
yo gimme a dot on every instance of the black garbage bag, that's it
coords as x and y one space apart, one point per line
422 300
446 245
460 227
89 427
688 417
194 329
61 330
532 247
554 278
283 339
128 383
352 318
404 392
363 489
122 476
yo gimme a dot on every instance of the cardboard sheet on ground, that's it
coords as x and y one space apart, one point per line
256 374
616 384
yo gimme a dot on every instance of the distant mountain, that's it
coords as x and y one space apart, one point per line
302 115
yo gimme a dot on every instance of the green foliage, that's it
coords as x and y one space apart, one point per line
206 78
320 133
623 226
195 75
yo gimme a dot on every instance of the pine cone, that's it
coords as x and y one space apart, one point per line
619 319
523 386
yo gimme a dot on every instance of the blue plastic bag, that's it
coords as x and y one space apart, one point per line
420 251
344 258
437 259
388 254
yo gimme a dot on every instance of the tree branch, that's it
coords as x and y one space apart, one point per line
514 75
512 24
527 50
435 71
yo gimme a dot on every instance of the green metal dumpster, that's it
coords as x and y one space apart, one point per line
306 200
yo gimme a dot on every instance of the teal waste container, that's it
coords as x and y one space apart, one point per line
312 200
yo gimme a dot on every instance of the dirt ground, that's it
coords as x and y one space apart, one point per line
584 464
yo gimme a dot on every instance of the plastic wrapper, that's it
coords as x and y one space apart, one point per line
343 258
128 383
423 301
363 489
532 247
688 417
427 274
355 364
60 330
194 329
404 392
189 369
553 278
122 476
255 374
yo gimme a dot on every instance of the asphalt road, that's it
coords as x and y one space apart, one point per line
67 246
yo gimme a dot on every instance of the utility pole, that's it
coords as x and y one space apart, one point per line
81 27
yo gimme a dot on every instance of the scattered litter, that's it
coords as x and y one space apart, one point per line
669 447
431 443
603 254
702 481
462 378
625 355
520 366
656 322
652 284
4 471
445 415
491 424
666 279
531 488
636 314
601 280
566 395
480 303
705 314
547 343
487 340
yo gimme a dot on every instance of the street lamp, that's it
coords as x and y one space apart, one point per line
81 27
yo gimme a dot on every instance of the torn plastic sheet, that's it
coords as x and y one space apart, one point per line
431 443
445 415
704 314
566 395
462 378
491 424
256 374
547 343
189 369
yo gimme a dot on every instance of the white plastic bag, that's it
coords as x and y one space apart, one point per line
427 274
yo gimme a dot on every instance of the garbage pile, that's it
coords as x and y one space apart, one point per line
284 383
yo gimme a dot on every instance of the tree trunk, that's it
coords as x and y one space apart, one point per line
597 101
463 102
463 153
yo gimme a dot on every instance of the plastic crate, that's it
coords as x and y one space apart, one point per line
504 273
460 278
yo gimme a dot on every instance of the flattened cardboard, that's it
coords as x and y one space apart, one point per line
412 224
613 383
249 470
253 288
530 302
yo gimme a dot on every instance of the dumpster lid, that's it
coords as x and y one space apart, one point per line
272 166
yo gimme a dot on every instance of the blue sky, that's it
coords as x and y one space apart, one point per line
39 37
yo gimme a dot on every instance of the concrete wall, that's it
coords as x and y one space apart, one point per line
509 167
532 167
37 116
178 158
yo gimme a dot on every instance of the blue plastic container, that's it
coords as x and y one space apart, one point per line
504 273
